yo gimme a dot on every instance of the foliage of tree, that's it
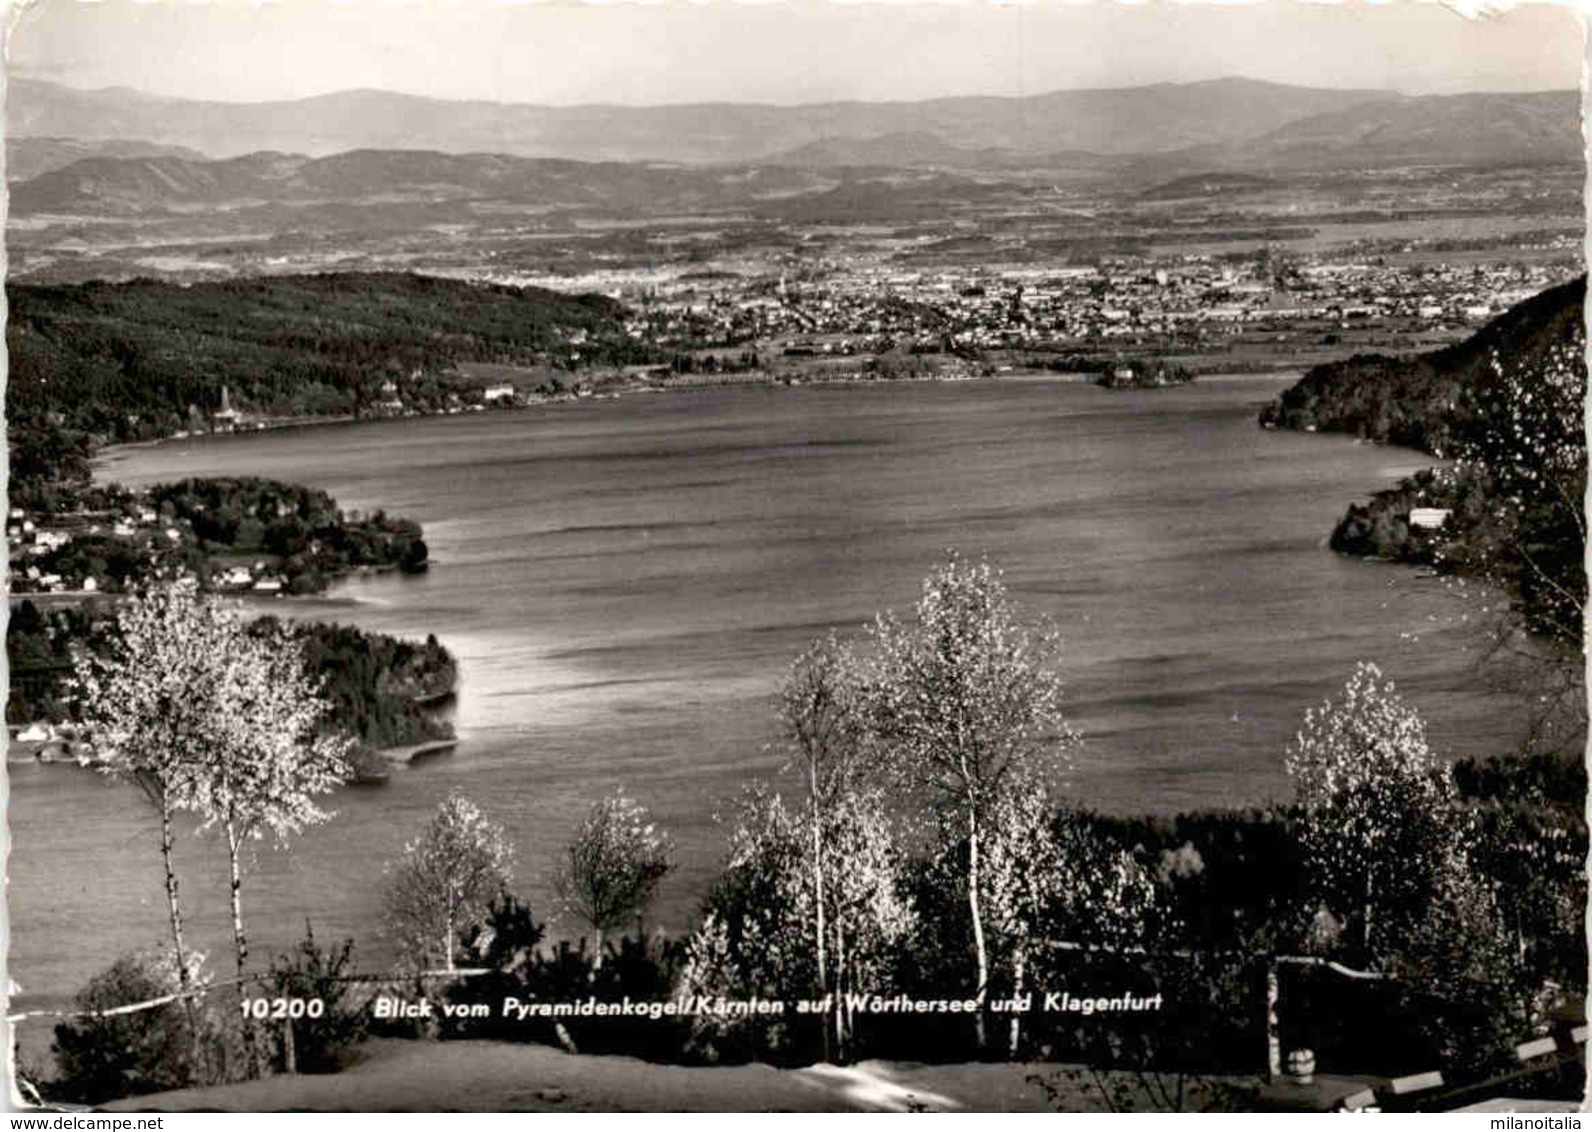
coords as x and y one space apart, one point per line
311 972
1106 895
821 714
379 688
751 941
150 706
101 1057
1525 440
506 944
963 700
757 933
446 881
506 940
1378 811
1420 401
1054 888
300 525
613 866
126 361
264 755
205 716
44 457
1505 406
40 648
1458 971
1530 840
1395 855
1513 493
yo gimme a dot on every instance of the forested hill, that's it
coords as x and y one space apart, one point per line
133 360
1506 406
1421 401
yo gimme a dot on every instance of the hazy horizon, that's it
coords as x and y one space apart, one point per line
762 102
781 54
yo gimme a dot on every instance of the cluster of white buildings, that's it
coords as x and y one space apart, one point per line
991 308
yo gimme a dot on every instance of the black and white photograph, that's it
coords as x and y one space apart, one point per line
795 556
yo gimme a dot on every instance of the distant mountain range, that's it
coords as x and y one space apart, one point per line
1225 123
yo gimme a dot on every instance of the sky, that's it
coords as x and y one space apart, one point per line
795 51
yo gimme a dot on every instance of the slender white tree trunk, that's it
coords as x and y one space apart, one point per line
172 906
980 954
843 983
240 942
818 900
196 1051
1369 956
1019 973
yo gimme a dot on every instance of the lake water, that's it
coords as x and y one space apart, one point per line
625 581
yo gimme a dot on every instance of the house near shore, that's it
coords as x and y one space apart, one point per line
1428 518
227 418
501 392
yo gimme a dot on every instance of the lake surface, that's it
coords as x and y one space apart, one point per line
624 583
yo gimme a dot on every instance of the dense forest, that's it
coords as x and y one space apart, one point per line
1421 401
299 525
1504 408
110 362
378 686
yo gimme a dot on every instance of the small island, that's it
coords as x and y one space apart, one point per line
1144 373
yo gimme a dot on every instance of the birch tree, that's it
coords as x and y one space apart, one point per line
1046 879
446 881
756 939
205 715
613 866
963 701
266 758
820 714
145 703
1378 810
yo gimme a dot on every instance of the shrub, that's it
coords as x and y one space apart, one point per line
171 1046
311 973
638 969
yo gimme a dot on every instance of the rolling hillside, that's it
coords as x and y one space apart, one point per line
1418 401
387 177
128 360
27 158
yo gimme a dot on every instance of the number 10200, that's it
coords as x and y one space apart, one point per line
276 1008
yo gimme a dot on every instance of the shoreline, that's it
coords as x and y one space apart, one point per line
686 385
